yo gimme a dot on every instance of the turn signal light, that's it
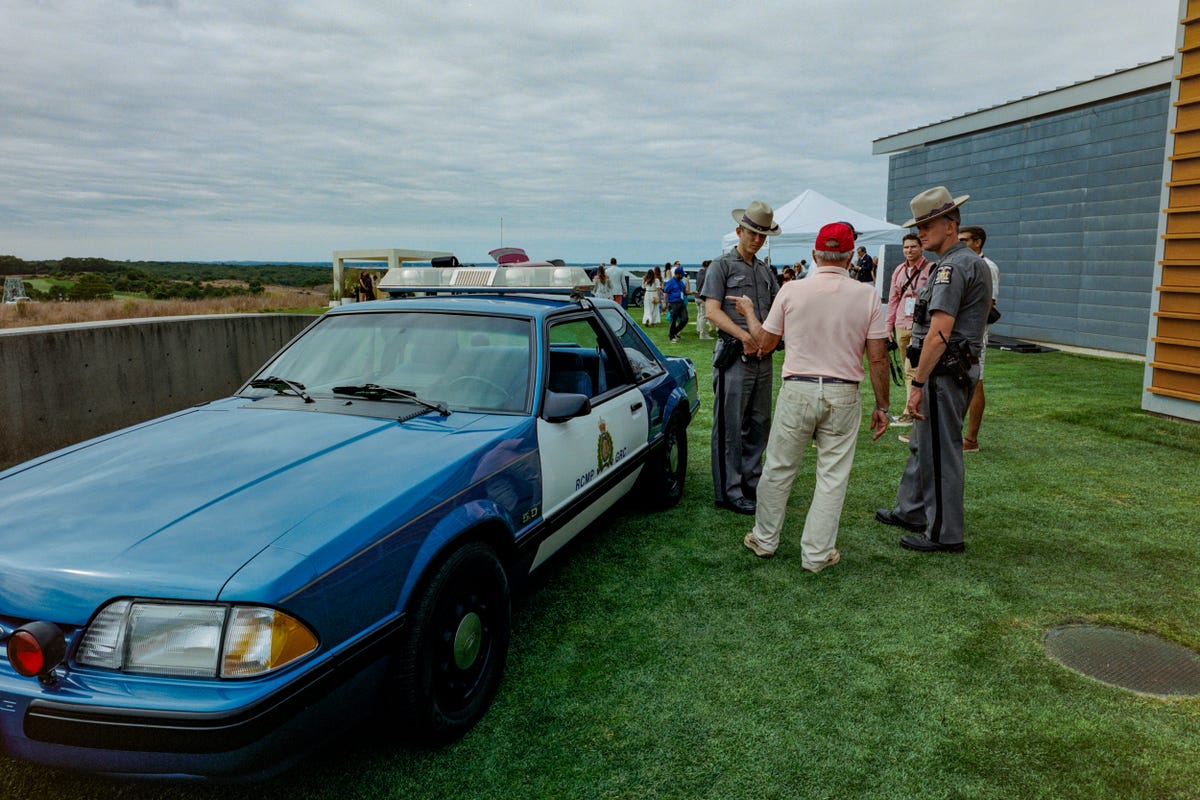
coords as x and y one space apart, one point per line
34 650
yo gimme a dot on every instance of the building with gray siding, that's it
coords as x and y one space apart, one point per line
1068 185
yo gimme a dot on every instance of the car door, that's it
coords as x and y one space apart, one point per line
590 460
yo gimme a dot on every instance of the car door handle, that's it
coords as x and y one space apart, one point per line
633 409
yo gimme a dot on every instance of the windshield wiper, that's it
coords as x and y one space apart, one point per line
373 391
282 386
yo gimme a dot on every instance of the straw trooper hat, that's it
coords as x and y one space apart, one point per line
758 217
933 203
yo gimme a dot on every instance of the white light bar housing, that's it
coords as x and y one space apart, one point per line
532 278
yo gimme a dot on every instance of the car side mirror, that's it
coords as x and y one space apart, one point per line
562 406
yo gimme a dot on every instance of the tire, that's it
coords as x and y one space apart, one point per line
451 661
667 470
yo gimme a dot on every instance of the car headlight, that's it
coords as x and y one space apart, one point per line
195 640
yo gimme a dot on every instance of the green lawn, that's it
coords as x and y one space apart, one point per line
45 284
660 659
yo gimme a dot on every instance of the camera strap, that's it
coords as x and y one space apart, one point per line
912 276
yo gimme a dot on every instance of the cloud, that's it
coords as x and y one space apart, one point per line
283 130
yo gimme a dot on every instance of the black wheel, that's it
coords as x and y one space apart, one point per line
451 661
668 469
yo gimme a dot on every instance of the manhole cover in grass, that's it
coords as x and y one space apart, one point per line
1140 662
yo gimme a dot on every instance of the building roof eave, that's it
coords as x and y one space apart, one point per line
1143 77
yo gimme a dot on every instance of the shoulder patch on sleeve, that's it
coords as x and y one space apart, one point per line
943 274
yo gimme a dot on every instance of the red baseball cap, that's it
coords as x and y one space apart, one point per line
837 237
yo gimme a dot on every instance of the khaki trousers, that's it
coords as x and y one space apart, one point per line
903 339
832 412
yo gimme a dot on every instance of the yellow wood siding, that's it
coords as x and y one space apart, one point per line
1175 367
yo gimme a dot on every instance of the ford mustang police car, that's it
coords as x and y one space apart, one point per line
203 593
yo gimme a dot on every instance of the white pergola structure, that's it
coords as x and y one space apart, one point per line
393 256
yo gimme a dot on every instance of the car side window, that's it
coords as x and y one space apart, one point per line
581 360
645 364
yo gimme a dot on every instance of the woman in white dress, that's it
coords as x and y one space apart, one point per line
651 314
602 286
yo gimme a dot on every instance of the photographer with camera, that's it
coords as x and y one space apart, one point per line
949 319
907 282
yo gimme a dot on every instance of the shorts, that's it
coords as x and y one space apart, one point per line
983 353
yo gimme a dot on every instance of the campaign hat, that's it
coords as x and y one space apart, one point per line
931 204
758 217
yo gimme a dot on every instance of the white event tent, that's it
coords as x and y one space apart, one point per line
803 216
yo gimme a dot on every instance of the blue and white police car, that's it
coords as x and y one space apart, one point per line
204 593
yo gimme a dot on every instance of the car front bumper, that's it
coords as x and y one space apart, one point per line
251 730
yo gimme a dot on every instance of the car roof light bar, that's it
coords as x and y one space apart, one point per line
526 278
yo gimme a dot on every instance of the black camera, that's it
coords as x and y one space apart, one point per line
921 312
913 354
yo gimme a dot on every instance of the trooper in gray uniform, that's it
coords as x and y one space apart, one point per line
948 325
742 373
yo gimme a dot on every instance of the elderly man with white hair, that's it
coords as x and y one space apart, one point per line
827 321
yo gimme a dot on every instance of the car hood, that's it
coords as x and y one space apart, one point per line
173 508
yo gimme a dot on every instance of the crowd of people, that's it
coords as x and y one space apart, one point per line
825 318
666 290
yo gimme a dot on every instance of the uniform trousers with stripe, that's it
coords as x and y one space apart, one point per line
931 490
741 425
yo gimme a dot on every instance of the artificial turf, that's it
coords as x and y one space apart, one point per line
660 659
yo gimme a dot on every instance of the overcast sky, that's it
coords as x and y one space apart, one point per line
264 130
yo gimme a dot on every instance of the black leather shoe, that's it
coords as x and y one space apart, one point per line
739 505
886 516
923 545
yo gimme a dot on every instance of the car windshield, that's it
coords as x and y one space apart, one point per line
468 362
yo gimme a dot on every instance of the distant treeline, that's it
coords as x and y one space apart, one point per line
153 272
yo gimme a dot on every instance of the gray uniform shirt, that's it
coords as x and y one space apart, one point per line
961 286
729 277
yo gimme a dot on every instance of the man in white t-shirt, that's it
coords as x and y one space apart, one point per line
836 319
974 237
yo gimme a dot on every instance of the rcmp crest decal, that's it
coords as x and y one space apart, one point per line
604 448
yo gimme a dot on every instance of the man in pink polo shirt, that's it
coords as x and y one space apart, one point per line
827 321
908 279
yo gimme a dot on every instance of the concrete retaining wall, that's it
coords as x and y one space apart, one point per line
62 384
